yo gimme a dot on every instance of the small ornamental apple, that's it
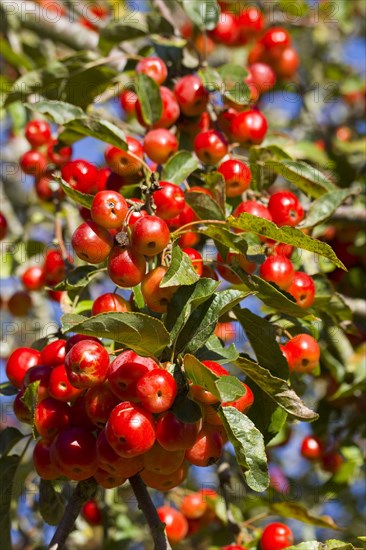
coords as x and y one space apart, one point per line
87 364
149 235
92 242
157 390
130 430
276 536
304 351
176 525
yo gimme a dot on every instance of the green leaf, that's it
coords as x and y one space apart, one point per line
184 303
204 206
8 468
179 167
79 277
51 503
7 389
262 175
230 388
75 79
93 126
8 438
181 271
321 209
214 350
148 92
233 85
327 545
249 447
200 375
203 320
277 389
59 111
203 14
80 198
30 400
132 25
14 58
262 337
143 334
271 295
297 511
268 417
187 410
286 234
307 178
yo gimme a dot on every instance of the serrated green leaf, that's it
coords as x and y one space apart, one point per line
80 198
185 301
233 85
200 375
277 389
307 178
271 295
297 511
58 111
262 336
98 128
322 208
51 503
263 176
230 388
179 167
267 416
79 277
203 14
249 447
8 438
181 271
214 350
143 334
8 468
132 25
203 320
148 92
204 206
285 234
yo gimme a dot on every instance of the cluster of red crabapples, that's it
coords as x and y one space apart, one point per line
314 450
112 420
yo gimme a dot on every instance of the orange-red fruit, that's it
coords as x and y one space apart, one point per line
305 352
207 447
19 304
160 144
91 242
176 525
154 67
150 235
110 302
121 162
302 289
210 146
156 298
191 94
19 362
126 268
237 176
108 209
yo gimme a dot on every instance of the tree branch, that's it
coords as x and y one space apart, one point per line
147 507
84 491
61 29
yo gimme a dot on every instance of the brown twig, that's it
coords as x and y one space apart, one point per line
147 507
84 491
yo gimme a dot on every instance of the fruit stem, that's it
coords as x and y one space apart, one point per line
197 222
147 507
84 491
